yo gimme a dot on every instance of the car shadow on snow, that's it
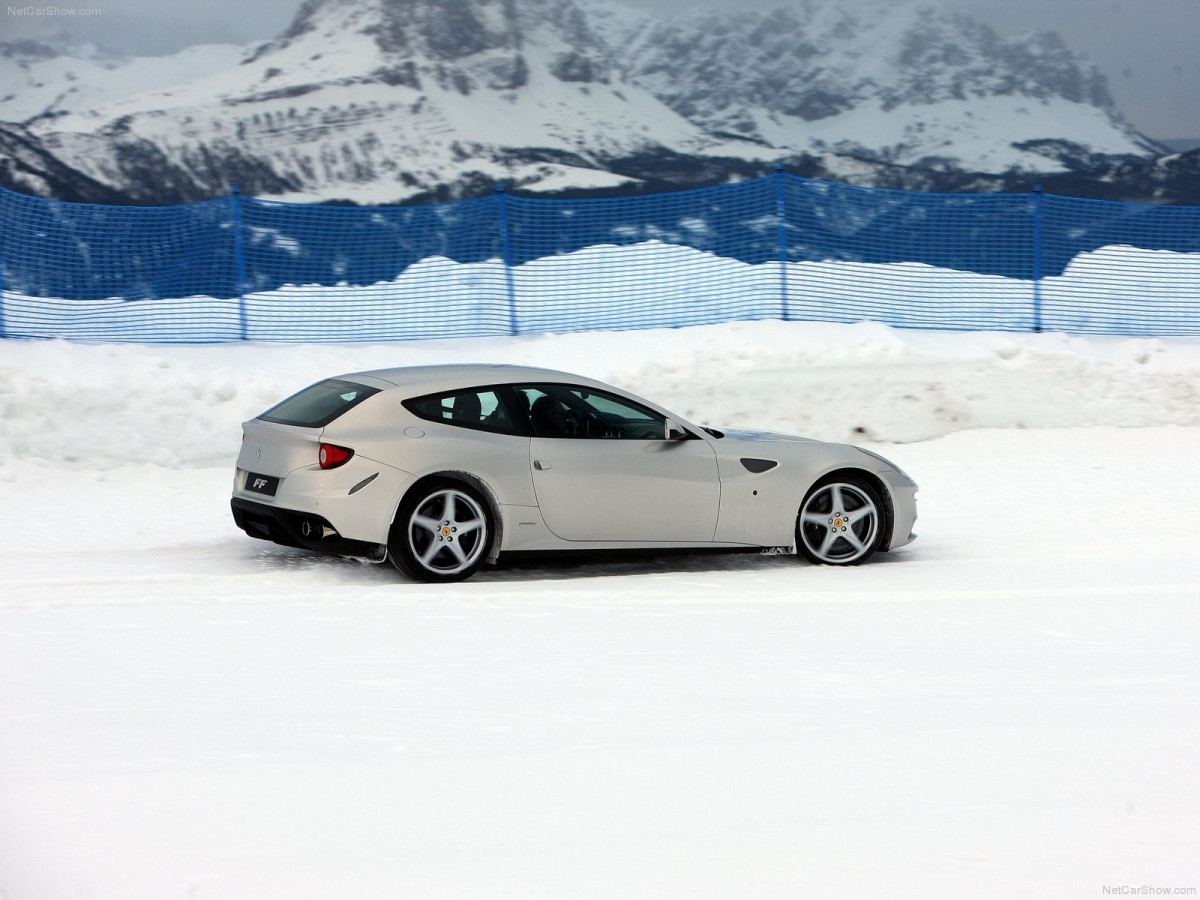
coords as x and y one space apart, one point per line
545 567
533 567
567 566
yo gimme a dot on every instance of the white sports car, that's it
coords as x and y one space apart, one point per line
442 468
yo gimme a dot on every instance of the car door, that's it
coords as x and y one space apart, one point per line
602 470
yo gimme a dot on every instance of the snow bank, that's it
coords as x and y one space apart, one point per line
104 405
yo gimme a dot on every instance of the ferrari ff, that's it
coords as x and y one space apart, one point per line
441 469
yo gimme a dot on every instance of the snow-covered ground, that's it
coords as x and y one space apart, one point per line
1007 707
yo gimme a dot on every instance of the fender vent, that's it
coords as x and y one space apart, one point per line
362 484
758 465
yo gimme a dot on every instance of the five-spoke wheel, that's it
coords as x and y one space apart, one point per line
840 522
441 532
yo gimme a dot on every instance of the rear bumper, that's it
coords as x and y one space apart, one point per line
298 529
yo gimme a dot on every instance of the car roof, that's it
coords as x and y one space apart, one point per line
449 377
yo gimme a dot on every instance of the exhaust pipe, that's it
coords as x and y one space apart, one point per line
313 530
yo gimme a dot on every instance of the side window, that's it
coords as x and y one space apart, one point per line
565 411
547 413
630 420
470 409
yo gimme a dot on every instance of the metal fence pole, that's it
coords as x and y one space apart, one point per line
239 261
1037 257
4 205
781 238
502 216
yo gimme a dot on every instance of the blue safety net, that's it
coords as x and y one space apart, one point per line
949 261
1118 268
119 273
781 247
666 260
342 273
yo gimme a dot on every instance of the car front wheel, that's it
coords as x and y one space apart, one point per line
441 533
840 522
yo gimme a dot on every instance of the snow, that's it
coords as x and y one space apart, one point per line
982 134
83 78
1007 707
548 176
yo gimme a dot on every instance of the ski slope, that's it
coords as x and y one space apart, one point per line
1007 707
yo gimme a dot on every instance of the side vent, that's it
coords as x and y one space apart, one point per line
758 466
362 484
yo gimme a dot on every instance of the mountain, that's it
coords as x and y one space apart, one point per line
380 101
41 79
903 83
29 168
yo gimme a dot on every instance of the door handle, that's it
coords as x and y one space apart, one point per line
540 465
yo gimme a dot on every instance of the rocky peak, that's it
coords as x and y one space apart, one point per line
26 51
467 44
817 58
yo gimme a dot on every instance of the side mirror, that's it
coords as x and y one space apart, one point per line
672 432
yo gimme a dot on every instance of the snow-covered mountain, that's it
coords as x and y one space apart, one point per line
45 80
906 83
377 101
28 167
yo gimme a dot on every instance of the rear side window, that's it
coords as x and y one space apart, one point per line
480 409
317 406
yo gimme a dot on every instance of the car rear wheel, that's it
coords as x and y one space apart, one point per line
441 532
840 522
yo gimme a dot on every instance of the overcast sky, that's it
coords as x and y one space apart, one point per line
1146 48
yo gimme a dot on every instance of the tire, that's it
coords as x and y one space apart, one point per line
441 532
840 522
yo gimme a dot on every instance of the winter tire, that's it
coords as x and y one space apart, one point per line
441 532
840 522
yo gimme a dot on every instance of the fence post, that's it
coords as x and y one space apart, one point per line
781 239
4 229
502 215
1037 257
239 261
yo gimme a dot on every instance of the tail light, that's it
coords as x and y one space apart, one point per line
331 456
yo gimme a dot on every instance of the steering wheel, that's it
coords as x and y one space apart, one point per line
594 426
574 423
587 425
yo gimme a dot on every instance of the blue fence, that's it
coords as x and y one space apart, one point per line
780 246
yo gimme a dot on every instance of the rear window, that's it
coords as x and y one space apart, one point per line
317 406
